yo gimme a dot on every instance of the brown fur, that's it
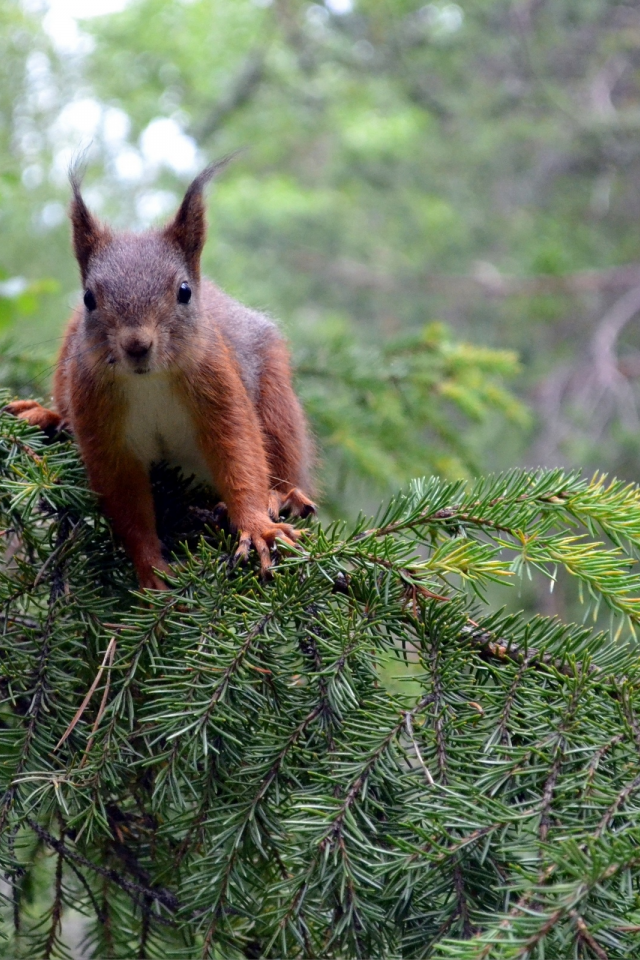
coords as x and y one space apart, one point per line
220 370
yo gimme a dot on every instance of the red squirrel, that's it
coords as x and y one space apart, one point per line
159 364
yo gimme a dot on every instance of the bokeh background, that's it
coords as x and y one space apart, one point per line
425 194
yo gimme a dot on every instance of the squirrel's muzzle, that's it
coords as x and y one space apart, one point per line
137 349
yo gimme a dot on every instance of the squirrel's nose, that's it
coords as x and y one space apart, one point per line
137 349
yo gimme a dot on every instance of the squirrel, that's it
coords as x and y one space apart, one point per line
158 364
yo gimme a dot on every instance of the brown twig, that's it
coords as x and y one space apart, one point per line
135 890
56 910
102 707
584 934
487 279
107 659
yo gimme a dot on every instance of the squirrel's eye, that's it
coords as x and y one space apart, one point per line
89 300
184 293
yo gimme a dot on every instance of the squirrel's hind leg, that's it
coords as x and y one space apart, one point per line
36 415
292 503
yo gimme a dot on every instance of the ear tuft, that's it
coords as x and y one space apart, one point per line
188 229
88 234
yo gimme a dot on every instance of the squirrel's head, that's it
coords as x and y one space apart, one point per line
141 291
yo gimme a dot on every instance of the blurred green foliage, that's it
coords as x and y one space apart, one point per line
404 163
331 185
399 409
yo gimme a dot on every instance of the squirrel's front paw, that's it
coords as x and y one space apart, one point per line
36 415
263 536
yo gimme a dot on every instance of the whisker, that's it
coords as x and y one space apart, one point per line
205 336
55 365
20 348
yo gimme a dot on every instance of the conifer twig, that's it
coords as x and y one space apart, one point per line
107 660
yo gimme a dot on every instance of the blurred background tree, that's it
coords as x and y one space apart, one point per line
404 162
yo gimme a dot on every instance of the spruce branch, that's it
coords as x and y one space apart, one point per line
358 758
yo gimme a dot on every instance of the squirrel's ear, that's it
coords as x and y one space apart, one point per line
87 232
188 229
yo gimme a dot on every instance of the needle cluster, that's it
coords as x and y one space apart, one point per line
225 770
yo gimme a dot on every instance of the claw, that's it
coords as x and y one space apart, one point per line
242 553
264 554
264 537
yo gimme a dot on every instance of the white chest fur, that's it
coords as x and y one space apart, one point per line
158 425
